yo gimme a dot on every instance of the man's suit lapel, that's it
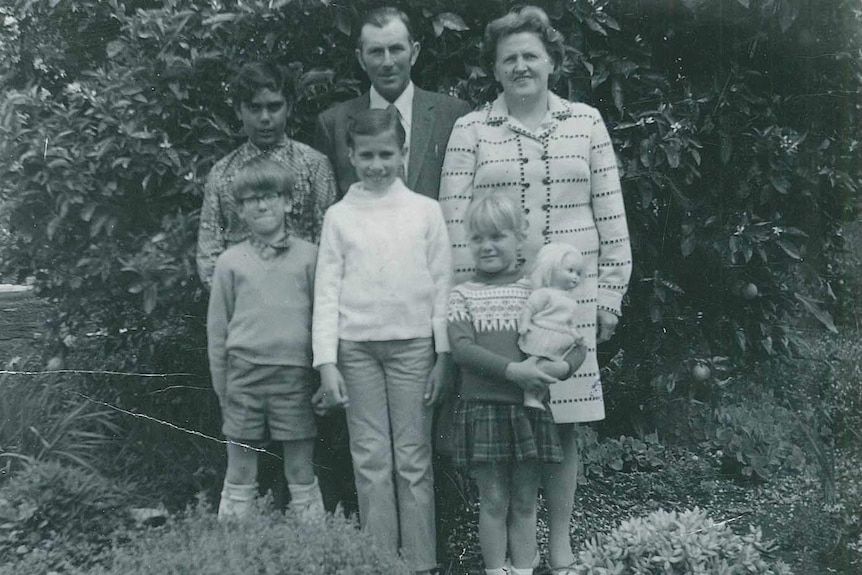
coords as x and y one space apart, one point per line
420 137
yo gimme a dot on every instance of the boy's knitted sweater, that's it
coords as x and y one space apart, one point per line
260 310
383 271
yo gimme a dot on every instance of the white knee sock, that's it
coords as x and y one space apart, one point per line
307 501
497 571
236 500
515 571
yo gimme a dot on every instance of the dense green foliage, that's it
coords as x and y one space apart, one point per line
270 542
673 542
55 517
45 420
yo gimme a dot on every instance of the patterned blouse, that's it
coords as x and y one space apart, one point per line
220 224
564 176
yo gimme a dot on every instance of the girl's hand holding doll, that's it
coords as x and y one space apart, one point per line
527 375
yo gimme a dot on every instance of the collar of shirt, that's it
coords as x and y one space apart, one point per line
269 251
404 103
357 194
558 109
251 149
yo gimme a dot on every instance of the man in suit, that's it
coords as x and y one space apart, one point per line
387 52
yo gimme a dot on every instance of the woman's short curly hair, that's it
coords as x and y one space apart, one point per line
526 19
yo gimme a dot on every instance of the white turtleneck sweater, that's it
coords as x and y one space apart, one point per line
383 271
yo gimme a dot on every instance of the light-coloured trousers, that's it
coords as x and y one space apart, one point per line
390 436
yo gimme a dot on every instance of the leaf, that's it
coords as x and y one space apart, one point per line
617 93
448 21
787 15
595 26
150 295
646 195
745 3
689 243
87 212
52 226
671 286
671 150
725 147
814 308
342 22
780 183
610 22
789 249
114 47
219 18
739 336
599 78
475 72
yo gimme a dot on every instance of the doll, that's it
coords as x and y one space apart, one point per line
547 325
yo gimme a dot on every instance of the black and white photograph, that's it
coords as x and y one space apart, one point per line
430 287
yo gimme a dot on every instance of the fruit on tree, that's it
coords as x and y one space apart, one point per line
749 291
700 372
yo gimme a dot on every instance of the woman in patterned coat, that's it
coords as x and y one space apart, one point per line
556 159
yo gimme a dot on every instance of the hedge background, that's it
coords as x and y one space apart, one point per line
736 124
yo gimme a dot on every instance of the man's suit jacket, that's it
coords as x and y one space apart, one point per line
433 117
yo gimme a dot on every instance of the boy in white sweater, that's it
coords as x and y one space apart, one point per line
383 275
259 343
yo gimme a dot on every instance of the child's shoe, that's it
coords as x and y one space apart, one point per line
537 560
307 501
236 501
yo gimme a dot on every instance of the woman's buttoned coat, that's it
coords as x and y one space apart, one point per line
564 177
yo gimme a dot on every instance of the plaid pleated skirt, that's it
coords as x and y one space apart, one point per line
486 432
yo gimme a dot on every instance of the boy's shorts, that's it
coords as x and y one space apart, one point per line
275 395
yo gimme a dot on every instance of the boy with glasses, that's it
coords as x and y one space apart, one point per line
259 343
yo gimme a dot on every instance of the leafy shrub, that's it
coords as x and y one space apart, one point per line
271 542
845 392
757 439
623 454
43 419
677 543
59 516
848 555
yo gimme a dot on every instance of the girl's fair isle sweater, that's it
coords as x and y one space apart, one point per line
483 333
260 309
383 271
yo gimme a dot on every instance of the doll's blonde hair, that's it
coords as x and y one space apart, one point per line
549 258
495 212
